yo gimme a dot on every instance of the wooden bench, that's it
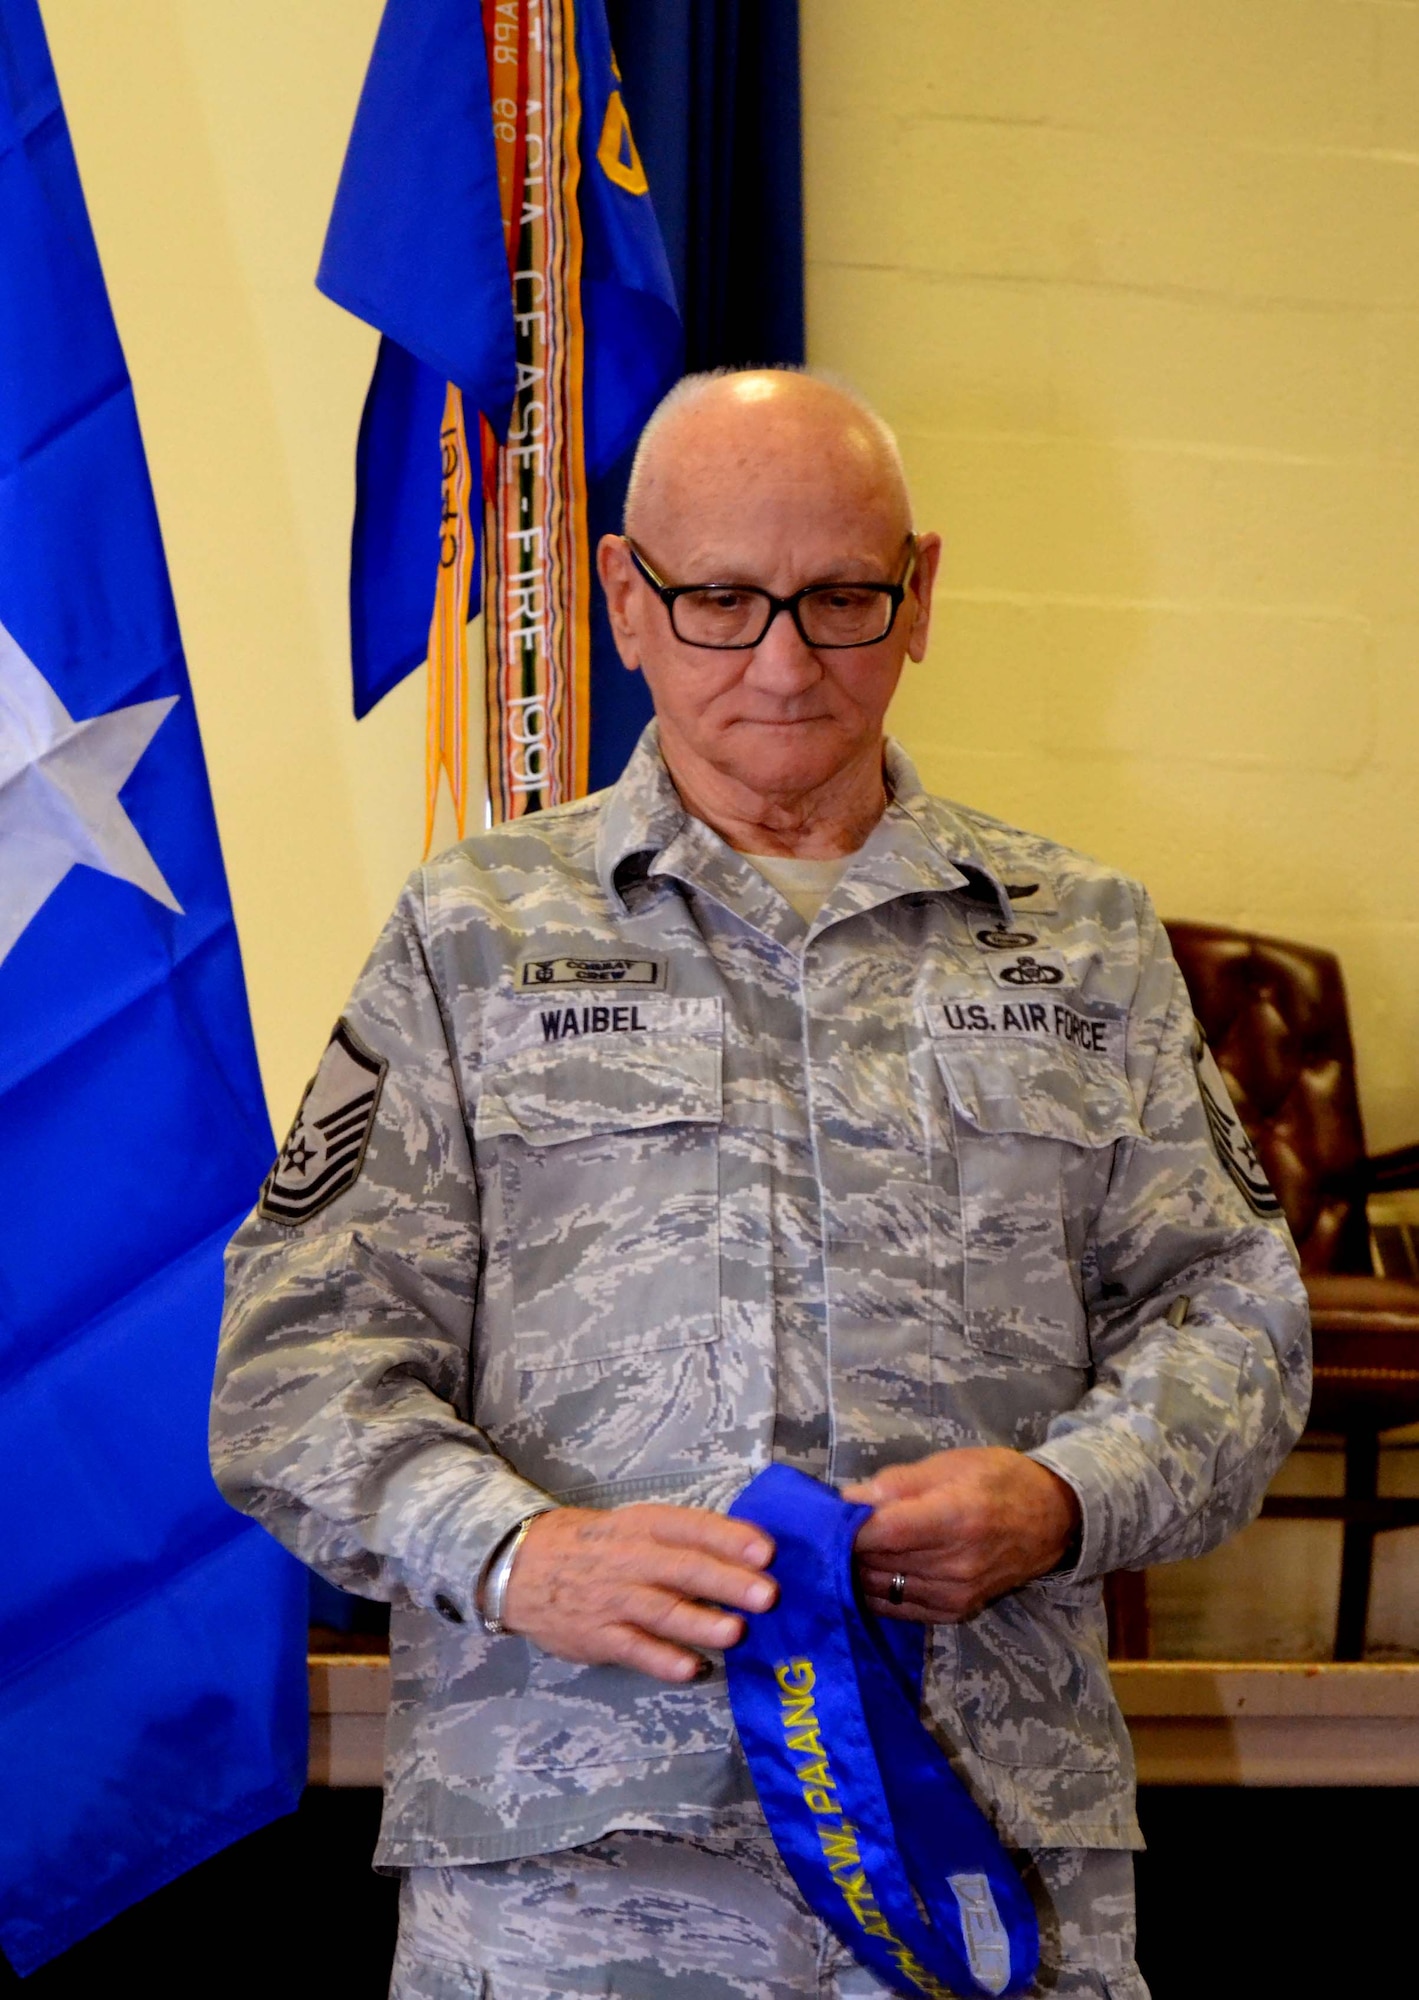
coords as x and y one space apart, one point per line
1193 1722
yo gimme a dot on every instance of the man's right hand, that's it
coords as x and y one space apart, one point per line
639 1586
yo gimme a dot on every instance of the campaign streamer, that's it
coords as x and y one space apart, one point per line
536 579
446 746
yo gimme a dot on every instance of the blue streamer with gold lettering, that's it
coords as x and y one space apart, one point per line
884 1841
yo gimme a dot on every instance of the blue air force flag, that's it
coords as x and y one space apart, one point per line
420 246
152 1703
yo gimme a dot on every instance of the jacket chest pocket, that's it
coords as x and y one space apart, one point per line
1033 1126
607 1138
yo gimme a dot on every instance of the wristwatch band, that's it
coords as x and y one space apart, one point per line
493 1593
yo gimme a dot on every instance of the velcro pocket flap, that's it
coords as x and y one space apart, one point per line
1060 1080
592 1064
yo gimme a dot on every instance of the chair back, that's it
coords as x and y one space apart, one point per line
1276 1018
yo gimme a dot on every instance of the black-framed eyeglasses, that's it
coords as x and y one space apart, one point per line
733 617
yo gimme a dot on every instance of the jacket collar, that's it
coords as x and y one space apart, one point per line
920 846
641 816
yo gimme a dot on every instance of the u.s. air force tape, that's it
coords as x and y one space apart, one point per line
325 1148
884 1841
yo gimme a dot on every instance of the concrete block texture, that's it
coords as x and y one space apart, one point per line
1194 69
1267 224
1137 281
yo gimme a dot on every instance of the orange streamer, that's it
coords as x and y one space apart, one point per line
446 730
536 567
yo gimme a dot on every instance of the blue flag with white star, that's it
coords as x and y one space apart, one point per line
152 1698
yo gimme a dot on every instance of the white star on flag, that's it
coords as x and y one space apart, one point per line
59 786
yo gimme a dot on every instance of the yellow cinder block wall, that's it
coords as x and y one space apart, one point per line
1138 282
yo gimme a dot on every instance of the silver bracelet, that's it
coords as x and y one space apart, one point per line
498 1575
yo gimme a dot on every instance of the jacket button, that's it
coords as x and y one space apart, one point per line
446 1608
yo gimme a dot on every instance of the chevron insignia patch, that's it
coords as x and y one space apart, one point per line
325 1148
1229 1135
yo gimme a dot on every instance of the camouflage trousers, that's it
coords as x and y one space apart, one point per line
708 1916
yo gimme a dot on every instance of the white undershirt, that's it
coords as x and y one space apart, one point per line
804 885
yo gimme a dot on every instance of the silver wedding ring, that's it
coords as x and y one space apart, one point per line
897 1589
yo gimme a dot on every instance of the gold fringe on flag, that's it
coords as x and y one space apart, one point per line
536 565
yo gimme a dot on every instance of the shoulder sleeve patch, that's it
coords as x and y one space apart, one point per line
1234 1149
325 1148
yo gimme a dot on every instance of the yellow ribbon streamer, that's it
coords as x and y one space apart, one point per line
446 732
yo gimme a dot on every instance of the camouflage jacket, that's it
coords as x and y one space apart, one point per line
617 1181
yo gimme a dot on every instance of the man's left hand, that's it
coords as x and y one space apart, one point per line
962 1527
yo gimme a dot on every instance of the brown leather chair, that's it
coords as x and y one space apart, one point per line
1275 1016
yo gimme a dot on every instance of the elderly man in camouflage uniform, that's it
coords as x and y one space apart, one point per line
763 1107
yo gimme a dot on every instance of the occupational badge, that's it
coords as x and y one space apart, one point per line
1024 970
325 1148
1003 940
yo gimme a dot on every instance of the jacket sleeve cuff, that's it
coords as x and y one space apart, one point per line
1122 1498
454 1508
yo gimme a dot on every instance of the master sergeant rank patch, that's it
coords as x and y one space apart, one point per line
325 1148
1229 1135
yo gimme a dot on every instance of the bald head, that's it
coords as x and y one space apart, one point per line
780 485
764 439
